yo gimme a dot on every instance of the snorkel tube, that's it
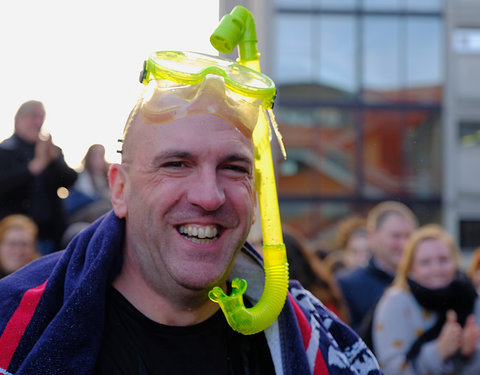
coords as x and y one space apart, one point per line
238 27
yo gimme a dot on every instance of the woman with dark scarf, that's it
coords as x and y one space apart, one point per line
424 323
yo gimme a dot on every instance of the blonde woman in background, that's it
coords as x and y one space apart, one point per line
424 323
18 235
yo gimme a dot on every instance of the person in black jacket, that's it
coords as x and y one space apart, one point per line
32 169
389 224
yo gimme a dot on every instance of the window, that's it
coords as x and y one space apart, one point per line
320 153
468 159
335 57
424 68
402 153
293 48
359 105
381 64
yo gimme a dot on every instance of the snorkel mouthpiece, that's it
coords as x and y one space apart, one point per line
239 28
255 319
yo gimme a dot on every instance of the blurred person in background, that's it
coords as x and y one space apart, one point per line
424 323
474 269
18 236
306 267
389 224
351 246
89 197
312 273
93 179
32 169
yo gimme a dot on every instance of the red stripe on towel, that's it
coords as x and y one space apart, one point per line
18 323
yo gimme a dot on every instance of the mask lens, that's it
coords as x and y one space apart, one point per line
189 68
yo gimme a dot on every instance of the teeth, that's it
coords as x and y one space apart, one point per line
193 230
208 232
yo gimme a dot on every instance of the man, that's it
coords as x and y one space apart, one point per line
130 293
389 224
32 169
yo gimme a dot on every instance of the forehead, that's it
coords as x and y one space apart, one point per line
395 220
33 110
198 133
432 247
17 232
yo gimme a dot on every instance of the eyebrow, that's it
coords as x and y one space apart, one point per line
173 154
177 154
240 158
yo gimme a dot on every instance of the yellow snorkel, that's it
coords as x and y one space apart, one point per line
239 28
179 83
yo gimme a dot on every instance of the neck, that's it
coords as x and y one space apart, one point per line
23 139
384 266
174 308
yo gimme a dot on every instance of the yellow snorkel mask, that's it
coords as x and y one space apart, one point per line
183 83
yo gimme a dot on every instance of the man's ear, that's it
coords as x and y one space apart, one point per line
117 179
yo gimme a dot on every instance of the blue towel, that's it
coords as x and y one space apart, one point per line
52 311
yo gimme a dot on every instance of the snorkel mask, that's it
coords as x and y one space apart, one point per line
184 83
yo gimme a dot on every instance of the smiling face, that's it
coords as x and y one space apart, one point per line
186 190
433 264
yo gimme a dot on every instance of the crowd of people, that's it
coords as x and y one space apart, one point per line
398 285
119 275
32 169
413 303
132 291
401 286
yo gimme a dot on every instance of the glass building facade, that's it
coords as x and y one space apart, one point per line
360 88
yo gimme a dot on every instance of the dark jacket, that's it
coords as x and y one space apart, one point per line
36 196
52 311
361 289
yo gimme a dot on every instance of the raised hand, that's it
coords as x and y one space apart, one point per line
45 153
450 339
470 337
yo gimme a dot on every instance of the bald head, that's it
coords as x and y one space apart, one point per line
143 115
29 120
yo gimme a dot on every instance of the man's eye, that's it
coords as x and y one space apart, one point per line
174 164
237 168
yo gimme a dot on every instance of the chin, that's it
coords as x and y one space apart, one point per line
198 285
438 285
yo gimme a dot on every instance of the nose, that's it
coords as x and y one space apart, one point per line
206 191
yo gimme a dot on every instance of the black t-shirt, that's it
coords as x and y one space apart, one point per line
135 345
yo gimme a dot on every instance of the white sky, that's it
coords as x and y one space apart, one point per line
82 59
